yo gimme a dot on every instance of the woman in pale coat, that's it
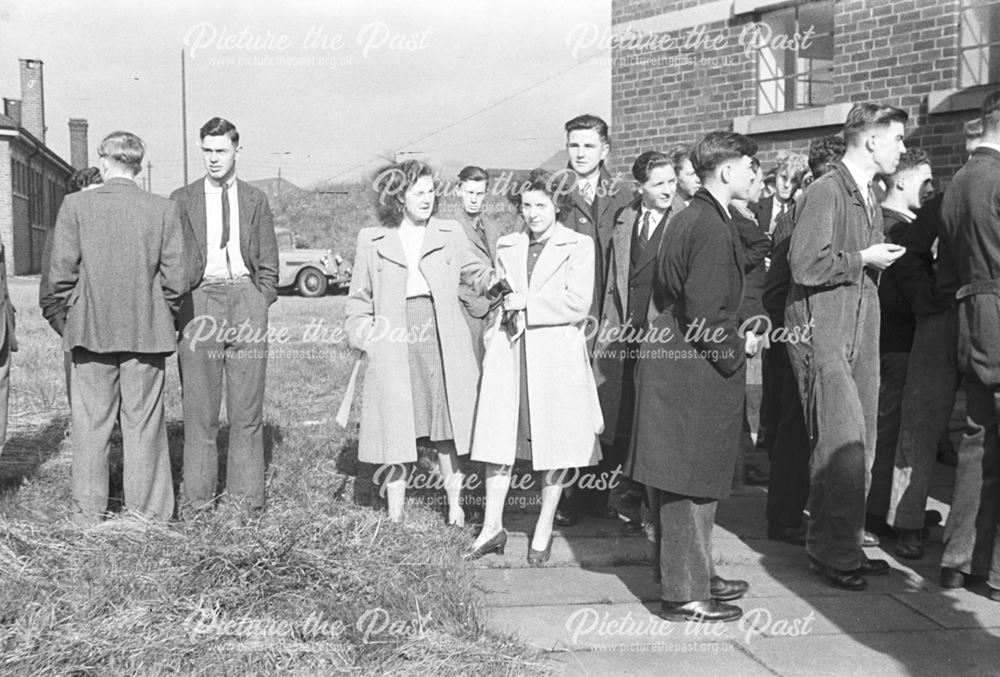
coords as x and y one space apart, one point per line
537 399
403 312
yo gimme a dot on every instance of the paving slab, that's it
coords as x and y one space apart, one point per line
957 609
702 659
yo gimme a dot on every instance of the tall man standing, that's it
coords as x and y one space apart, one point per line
596 200
969 251
234 271
117 274
835 257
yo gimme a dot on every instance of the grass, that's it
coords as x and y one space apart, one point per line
321 583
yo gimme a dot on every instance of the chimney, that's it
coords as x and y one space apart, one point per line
12 109
78 156
32 98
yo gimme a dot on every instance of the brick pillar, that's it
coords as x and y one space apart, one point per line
78 151
32 98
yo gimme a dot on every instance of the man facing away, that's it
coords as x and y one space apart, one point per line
117 270
233 268
835 257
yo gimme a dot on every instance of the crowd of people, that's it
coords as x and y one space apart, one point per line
611 331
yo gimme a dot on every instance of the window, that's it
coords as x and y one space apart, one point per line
795 57
979 43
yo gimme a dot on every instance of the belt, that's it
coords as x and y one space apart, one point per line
222 279
979 287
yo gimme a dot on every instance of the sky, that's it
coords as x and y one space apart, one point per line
321 90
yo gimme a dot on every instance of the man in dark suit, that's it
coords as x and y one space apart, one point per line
233 264
969 251
595 199
691 384
835 257
636 239
787 180
473 183
117 237
688 182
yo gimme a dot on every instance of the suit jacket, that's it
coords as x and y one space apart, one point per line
969 253
258 245
898 323
6 307
117 269
477 305
764 210
690 391
755 246
621 311
597 221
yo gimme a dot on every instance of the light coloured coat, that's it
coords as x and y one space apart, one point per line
376 318
562 397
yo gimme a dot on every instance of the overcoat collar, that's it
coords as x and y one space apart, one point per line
389 245
553 255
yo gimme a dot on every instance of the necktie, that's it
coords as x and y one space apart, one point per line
587 190
225 217
872 205
645 227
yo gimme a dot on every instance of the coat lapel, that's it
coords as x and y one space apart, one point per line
469 226
553 255
622 237
435 237
653 247
389 246
247 202
512 254
198 215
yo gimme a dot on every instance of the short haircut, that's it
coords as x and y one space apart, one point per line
912 158
991 112
473 173
823 152
83 178
795 164
558 185
220 127
864 116
755 164
391 183
717 148
647 162
124 148
973 129
678 154
591 122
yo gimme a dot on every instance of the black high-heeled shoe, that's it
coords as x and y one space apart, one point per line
496 544
537 558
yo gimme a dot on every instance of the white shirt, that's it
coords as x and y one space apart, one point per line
655 216
412 238
215 261
861 178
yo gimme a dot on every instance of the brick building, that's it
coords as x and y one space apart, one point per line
787 71
33 178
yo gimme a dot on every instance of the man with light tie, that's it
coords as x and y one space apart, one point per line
233 271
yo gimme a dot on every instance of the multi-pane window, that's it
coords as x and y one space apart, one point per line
795 57
979 43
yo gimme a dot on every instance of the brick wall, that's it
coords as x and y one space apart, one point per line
6 197
889 51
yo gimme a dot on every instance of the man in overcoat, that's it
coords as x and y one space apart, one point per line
969 251
835 256
691 381
117 270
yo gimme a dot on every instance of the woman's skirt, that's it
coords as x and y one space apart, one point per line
430 401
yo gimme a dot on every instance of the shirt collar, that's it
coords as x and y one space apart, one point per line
993 146
861 179
210 188
657 214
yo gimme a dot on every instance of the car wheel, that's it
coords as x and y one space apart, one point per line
311 283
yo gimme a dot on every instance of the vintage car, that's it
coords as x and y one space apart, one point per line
309 271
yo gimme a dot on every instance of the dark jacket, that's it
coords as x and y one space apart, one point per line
898 322
915 271
257 241
476 305
755 246
117 269
690 391
625 308
969 252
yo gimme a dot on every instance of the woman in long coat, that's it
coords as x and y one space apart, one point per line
538 398
403 312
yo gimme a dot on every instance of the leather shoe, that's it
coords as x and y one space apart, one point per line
754 476
701 611
848 580
952 578
795 535
725 590
910 544
497 544
932 518
872 567
566 518
870 540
